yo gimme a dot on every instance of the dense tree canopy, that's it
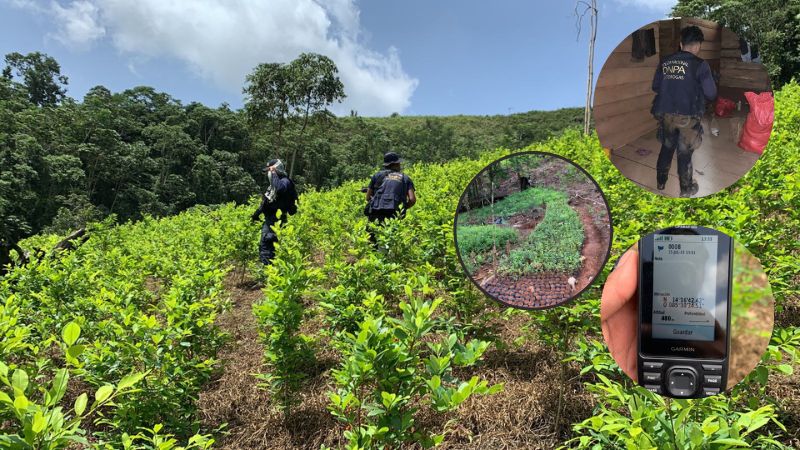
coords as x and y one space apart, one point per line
291 97
41 76
772 24
139 152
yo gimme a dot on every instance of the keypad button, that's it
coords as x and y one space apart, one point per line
652 365
654 388
712 380
712 368
681 382
652 377
707 392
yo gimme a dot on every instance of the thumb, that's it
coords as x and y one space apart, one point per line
621 284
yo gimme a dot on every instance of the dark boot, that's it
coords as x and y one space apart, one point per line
691 190
661 184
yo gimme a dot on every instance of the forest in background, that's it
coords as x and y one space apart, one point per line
66 162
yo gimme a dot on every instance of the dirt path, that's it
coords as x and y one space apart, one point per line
234 397
595 246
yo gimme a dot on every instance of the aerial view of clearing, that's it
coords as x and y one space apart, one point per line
532 230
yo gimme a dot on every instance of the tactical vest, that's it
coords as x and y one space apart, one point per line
392 191
680 91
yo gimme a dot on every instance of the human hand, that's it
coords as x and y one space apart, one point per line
619 310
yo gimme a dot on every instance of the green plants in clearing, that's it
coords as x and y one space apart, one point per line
476 241
518 202
554 245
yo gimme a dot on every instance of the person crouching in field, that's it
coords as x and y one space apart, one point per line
389 195
281 196
682 83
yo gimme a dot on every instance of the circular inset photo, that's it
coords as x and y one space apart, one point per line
688 312
684 107
532 230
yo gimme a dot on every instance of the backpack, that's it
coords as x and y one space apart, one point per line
293 197
391 193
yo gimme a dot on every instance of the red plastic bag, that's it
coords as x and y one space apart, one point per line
724 107
758 125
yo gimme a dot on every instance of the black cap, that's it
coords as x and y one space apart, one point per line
391 158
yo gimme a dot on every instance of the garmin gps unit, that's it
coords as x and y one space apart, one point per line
684 311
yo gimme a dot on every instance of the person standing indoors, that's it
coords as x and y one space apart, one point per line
281 196
683 83
389 195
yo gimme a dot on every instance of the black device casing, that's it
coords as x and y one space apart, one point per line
681 368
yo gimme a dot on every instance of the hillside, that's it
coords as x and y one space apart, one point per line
364 348
141 152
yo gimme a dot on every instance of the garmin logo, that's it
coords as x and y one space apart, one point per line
683 349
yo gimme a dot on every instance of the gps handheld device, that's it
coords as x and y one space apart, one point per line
684 311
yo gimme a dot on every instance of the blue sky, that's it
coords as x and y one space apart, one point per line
415 57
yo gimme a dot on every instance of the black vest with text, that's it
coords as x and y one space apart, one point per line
680 91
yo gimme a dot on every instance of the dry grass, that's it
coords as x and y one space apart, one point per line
522 416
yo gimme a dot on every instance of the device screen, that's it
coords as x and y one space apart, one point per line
684 293
684 287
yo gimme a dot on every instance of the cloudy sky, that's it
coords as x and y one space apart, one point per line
412 57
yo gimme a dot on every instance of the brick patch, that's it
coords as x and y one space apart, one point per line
532 291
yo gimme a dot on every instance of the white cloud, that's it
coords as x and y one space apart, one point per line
78 23
223 40
664 6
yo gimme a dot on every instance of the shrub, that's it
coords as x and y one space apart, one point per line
392 368
475 242
516 203
554 245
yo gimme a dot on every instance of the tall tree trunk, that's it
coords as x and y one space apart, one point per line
302 131
587 114
114 201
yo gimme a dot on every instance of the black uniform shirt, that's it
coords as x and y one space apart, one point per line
284 200
682 84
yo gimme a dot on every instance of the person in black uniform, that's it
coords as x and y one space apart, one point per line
281 196
389 195
682 83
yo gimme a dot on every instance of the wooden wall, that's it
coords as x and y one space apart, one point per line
737 76
712 32
623 95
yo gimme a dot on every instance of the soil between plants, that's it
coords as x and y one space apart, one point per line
234 397
548 289
519 417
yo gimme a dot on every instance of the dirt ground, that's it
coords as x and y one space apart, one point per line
522 416
235 400
750 333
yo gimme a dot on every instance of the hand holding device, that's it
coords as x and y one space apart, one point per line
684 311
618 311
